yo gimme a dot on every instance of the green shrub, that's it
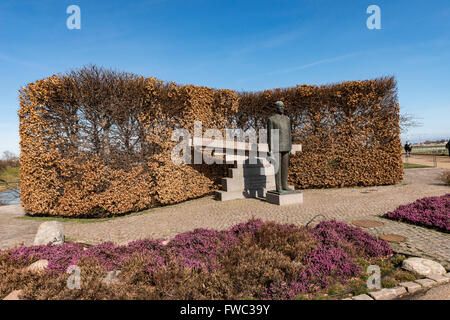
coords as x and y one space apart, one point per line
398 259
388 282
358 286
336 289
402 275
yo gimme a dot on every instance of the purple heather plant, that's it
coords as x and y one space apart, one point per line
202 250
62 256
433 212
201 247
282 291
333 234
247 228
328 261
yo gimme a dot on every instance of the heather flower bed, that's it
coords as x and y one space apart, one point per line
433 212
261 260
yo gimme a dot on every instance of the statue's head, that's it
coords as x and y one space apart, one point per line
279 106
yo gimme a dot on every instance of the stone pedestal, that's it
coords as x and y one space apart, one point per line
247 181
284 198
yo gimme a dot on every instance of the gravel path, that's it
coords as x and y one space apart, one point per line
345 204
14 231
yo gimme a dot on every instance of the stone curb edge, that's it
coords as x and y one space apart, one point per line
404 288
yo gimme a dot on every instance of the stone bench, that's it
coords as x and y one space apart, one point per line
233 150
245 179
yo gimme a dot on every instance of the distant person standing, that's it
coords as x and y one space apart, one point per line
448 147
408 149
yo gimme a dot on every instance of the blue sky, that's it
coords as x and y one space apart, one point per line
241 45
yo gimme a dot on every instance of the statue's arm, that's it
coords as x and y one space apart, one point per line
290 135
269 134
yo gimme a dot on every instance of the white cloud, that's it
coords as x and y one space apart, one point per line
21 62
319 62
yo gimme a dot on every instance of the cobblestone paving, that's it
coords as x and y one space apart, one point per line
420 241
345 204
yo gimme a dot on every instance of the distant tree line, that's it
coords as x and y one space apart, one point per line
8 159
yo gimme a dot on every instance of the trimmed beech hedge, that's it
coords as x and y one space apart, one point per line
96 142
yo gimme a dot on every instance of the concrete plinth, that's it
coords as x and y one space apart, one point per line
247 180
284 198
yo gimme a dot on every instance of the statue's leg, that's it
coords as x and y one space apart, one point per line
284 170
278 184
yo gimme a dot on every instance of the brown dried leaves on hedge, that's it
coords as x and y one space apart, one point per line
96 142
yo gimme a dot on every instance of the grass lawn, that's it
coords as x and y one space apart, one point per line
9 174
438 150
414 166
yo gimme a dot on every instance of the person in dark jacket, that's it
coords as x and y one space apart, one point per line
408 149
448 147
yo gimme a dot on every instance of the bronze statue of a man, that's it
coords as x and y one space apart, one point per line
281 122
